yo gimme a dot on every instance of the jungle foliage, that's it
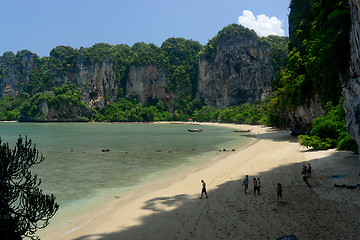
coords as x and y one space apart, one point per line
329 131
318 53
318 56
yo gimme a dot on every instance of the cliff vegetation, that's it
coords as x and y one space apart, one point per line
104 82
308 94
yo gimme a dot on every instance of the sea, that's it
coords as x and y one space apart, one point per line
89 164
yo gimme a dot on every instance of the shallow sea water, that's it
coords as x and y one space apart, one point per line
87 164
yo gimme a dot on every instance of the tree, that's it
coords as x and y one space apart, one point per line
23 207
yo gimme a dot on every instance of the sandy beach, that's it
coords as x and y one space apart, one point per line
171 208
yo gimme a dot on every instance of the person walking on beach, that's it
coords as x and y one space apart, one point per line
203 189
279 191
309 170
255 185
246 183
305 179
258 185
304 169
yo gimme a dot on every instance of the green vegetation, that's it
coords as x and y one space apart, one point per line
249 113
329 131
229 34
181 65
126 110
24 207
318 53
130 111
65 97
10 107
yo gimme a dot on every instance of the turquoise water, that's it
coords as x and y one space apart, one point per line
80 174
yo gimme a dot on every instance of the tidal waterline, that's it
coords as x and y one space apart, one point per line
87 164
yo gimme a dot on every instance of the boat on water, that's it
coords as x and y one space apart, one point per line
242 130
195 130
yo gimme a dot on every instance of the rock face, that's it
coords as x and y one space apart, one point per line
147 83
300 119
15 71
96 79
351 87
98 82
241 72
62 113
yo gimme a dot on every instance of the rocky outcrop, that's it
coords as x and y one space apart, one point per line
96 79
351 87
300 119
148 83
241 72
15 71
63 113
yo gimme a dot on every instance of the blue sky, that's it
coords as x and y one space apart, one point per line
41 25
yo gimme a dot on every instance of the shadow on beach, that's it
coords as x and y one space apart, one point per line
320 212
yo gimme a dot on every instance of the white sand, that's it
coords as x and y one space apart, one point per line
172 209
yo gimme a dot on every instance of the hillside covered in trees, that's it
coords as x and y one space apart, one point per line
101 83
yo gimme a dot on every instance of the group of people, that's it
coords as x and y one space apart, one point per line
306 173
256 182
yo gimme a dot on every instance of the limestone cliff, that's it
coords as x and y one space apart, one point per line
300 119
96 79
241 72
351 87
148 83
15 71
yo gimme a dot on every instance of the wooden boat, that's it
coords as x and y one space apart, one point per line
195 130
240 130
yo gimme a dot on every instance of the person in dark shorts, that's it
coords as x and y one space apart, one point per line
279 191
305 179
258 185
304 169
203 189
255 185
246 183
309 170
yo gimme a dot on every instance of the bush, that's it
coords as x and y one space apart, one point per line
329 131
348 144
325 128
316 142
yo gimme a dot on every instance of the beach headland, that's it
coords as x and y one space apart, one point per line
171 208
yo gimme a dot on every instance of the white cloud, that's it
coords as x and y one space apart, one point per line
261 24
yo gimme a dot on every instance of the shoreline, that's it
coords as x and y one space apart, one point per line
170 209
162 182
